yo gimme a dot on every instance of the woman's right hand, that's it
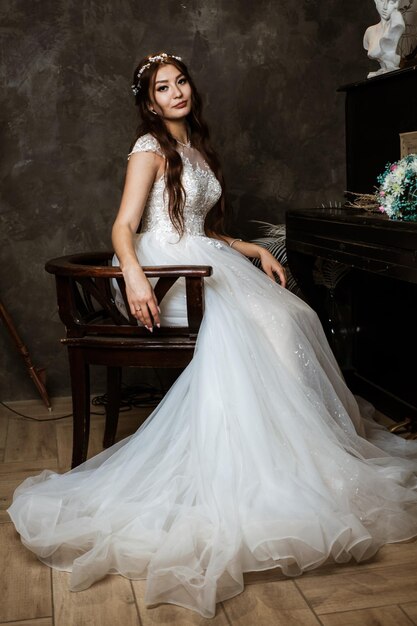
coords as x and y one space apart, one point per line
141 173
141 297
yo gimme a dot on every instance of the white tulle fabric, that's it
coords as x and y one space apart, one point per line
258 456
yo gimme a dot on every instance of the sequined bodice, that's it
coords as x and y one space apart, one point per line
202 190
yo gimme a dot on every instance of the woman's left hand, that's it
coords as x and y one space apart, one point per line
271 266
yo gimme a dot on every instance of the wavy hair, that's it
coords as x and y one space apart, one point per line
199 138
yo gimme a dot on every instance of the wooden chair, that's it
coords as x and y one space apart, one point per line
98 334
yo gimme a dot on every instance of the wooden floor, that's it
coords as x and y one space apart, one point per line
381 592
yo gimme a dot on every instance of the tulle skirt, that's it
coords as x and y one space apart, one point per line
258 457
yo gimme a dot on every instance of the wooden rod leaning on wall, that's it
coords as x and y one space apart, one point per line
35 374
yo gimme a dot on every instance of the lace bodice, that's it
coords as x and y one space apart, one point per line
201 187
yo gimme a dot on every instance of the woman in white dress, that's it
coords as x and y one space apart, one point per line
258 456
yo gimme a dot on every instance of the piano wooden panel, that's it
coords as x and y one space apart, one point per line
359 271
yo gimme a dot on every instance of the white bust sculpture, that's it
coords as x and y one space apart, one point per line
381 40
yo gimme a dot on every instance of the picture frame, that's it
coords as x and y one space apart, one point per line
408 143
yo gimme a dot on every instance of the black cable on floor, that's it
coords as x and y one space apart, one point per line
35 419
141 396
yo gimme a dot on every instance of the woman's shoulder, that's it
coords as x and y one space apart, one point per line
146 143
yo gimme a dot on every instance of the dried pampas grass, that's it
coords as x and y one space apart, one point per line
365 201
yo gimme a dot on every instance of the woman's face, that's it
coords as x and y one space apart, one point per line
386 7
171 96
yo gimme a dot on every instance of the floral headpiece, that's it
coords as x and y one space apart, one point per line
159 58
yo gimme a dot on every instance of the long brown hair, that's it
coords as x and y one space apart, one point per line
199 138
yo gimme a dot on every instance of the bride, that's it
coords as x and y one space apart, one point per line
258 456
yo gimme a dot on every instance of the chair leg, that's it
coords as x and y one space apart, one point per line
114 381
80 385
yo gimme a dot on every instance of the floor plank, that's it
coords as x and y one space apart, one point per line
3 433
365 589
278 603
44 621
410 610
129 422
392 554
400 553
30 440
25 468
36 408
108 602
4 516
170 614
264 576
7 488
12 474
25 583
381 616
64 442
382 591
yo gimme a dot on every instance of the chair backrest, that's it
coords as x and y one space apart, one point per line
86 300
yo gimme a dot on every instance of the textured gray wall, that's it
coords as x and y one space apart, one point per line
269 71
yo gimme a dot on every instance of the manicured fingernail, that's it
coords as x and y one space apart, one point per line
159 325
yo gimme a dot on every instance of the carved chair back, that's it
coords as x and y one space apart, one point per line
98 334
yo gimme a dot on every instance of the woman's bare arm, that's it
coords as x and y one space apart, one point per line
269 263
142 169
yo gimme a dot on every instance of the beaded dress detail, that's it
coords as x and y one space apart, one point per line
201 187
258 457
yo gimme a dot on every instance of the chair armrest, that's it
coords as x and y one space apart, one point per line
95 264
86 277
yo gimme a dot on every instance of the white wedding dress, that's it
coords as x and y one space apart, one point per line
256 458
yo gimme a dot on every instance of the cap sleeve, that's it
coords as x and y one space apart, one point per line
146 143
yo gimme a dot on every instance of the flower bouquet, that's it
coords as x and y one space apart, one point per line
397 193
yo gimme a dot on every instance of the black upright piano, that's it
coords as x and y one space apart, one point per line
359 269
